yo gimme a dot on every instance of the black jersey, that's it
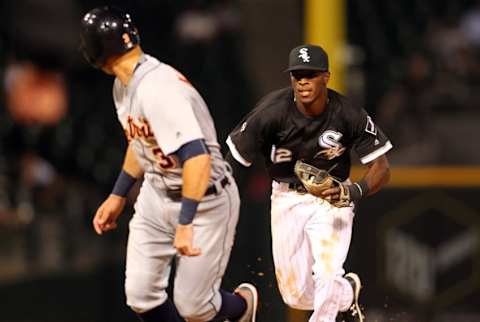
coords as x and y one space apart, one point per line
276 129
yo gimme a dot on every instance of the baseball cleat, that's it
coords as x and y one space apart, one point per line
250 294
354 313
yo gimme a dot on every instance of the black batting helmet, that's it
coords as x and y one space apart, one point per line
102 34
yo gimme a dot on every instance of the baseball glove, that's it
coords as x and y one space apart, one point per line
317 180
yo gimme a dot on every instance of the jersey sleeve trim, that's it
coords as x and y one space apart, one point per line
192 149
375 154
236 155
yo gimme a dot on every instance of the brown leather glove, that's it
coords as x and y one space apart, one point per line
317 180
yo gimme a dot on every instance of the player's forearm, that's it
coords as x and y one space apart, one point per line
131 171
131 165
196 174
377 175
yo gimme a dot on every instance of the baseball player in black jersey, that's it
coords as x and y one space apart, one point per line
305 134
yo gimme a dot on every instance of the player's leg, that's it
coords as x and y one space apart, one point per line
239 306
353 312
292 257
329 232
197 291
149 255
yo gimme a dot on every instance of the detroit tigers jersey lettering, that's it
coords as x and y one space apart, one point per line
278 131
160 111
164 118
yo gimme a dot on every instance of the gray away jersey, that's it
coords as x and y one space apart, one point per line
160 111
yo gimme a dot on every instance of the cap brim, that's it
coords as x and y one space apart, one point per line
303 67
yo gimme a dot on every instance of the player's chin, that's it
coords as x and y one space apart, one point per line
306 99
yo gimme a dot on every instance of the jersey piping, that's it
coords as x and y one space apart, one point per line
375 154
236 154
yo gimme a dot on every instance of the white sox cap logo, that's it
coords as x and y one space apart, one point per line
304 55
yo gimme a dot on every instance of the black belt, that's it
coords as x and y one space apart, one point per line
297 186
176 194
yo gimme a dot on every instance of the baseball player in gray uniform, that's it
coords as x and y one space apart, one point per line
188 205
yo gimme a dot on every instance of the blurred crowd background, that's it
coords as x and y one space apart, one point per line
413 65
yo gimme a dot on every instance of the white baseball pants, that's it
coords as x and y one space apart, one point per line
310 240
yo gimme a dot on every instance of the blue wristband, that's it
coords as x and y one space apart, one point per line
187 210
123 184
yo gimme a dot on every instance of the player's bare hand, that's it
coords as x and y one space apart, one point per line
106 216
331 194
183 241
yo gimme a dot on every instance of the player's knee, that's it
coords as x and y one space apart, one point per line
141 292
194 309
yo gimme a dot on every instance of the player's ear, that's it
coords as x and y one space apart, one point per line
326 77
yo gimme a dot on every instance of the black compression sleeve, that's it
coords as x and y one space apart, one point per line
358 190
